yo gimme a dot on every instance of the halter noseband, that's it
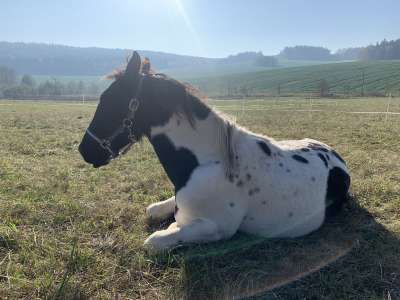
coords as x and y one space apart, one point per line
127 124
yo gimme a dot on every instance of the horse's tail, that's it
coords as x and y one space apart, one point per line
337 191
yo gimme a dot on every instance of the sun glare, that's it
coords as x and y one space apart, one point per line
181 10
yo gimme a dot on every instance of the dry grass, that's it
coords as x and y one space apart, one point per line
68 231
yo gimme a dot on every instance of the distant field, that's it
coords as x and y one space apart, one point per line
380 77
189 73
68 231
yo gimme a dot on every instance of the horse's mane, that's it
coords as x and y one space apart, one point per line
224 126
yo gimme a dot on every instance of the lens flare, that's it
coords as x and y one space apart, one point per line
181 10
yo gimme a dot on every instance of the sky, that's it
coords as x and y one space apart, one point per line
211 28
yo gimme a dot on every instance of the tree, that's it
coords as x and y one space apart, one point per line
71 88
323 88
81 87
17 92
306 53
7 76
384 50
93 89
244 90
51 88
28 81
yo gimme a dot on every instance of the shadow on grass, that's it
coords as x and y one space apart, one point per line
350 257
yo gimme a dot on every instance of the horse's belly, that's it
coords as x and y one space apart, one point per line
209 195
276 215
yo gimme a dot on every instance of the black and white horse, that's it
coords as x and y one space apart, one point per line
226 178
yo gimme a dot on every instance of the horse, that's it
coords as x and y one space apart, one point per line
227 179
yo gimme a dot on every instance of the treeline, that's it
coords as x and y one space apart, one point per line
11 87
253 58
306 53
385 50
56 60
320 53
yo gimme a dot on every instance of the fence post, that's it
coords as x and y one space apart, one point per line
388 107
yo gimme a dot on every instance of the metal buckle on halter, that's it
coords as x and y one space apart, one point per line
133 104
127 123
105 143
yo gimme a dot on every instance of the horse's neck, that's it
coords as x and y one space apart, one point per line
181 147
203 139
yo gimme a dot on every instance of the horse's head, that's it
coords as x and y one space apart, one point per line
134 103
113 128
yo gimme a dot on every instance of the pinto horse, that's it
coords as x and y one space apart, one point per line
226 178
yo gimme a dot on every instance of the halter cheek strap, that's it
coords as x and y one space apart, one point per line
127 124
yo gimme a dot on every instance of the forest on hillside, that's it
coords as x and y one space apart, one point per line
26 87
53 60
385 50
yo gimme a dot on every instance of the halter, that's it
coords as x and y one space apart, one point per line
127 124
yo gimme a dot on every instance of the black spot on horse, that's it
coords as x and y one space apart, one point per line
281 164
317 147
338 156
239 183
288 171
177 163
264 147
232 204
327 157
217 162
256 190
201 111
264 202
248 176
290 214
313 179
337 190
251 193
305 149
300 158
323 159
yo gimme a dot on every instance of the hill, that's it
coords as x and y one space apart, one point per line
59 60
349 78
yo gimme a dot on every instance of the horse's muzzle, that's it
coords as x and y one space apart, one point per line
93 153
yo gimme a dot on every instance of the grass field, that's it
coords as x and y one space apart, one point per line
380 77
68 231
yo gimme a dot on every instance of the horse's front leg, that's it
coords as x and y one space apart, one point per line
161 210
197 231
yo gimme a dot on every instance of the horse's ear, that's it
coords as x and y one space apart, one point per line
146 66
134 66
